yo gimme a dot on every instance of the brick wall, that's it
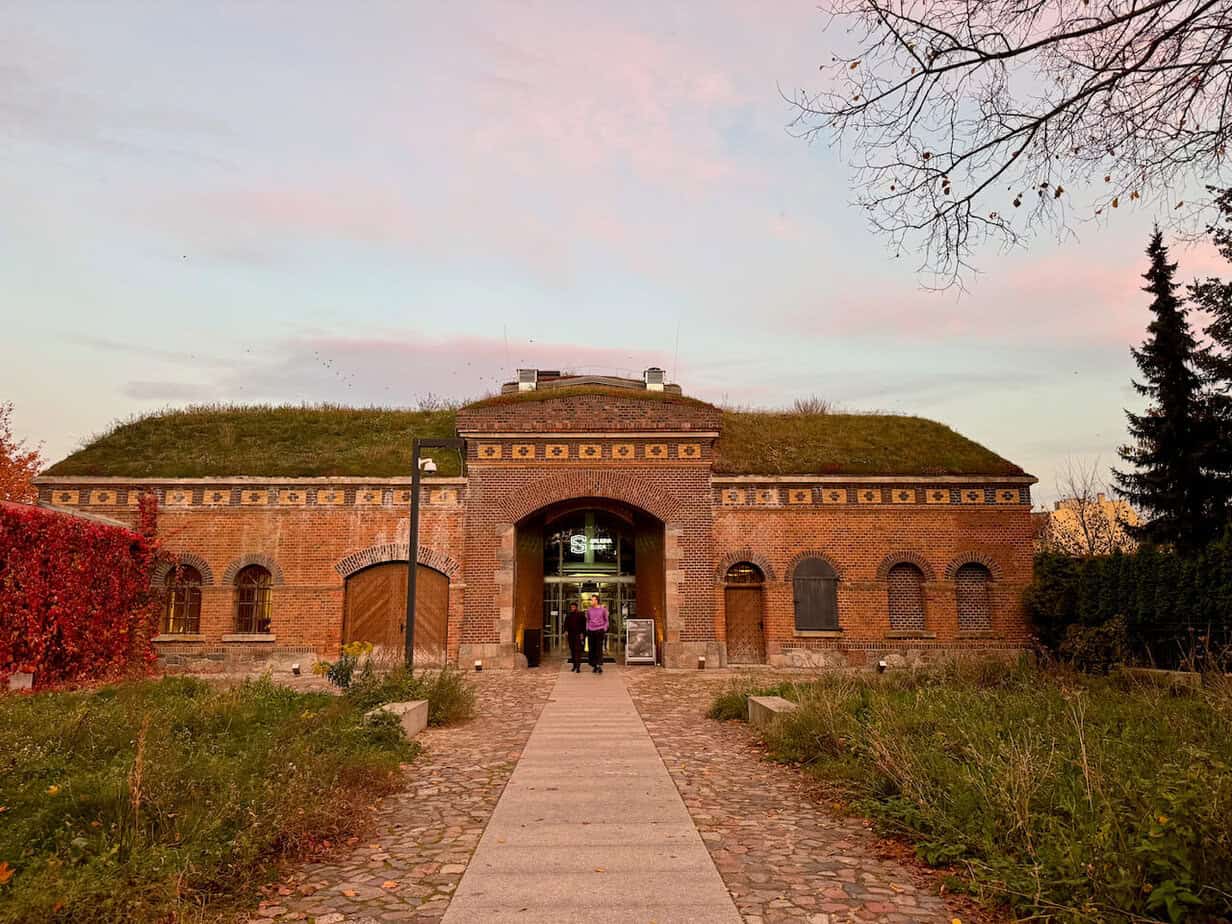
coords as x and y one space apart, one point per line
654 455
862 543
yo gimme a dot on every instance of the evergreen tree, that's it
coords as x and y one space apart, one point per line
1214 298
1171 439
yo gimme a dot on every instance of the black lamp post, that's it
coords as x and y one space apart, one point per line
412 551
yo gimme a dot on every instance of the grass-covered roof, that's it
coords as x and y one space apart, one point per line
272 441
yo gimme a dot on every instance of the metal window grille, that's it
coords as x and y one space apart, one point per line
253 600
974 604
906 591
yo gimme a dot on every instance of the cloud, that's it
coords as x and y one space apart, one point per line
168 391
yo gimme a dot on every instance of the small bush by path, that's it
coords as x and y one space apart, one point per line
450 698
150 801
1062 797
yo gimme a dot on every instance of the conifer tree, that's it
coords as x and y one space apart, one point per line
1169 482
1213 297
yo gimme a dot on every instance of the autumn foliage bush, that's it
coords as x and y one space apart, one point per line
75 596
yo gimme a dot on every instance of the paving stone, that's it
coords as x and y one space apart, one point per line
777 848
423 837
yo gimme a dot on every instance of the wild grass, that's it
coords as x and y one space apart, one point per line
813 440
287 441
450 698
169 799
1062 797
321 440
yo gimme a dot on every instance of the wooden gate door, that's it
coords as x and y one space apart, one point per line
376 610
746 641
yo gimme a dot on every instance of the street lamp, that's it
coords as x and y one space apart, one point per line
419 466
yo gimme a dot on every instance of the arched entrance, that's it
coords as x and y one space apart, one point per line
375 610
743 608
575 549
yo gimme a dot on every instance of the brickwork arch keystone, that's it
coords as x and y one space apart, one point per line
398 551
972 558
905 558
257 558
633 489
740 555
163 569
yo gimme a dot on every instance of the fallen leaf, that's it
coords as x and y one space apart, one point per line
389 884
53 790
6 872
600 869
349 893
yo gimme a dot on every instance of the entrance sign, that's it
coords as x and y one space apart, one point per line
639 641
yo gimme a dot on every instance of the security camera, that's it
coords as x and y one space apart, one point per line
428 466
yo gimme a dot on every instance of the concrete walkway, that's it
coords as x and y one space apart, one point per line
590 826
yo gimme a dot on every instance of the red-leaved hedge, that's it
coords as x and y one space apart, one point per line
75 596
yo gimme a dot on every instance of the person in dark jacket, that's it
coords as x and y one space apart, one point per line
596 627
575 628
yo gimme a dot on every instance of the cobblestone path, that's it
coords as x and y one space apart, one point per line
782 856
409 864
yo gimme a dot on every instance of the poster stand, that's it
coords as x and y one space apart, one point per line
639 641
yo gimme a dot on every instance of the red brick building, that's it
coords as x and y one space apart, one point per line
787 538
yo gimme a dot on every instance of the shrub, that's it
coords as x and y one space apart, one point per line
450 698
1096 649
341 672
75 596
1064 797
147 800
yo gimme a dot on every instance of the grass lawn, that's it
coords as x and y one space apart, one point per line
1061 797
156 800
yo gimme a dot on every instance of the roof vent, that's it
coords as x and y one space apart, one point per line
654 378
528 379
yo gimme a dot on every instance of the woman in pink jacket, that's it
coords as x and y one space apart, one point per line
596 628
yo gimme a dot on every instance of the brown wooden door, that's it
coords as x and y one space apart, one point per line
746 641
376 610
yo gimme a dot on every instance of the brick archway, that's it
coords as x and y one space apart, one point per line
905 558
972 558
745 554
397 551
265 561
634 490
183 558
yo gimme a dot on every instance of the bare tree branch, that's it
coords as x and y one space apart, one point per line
969 122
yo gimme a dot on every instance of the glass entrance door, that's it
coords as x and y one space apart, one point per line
618 594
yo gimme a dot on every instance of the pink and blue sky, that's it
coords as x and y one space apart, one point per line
368 203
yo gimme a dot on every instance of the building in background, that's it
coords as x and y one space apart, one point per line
789 538
1086 525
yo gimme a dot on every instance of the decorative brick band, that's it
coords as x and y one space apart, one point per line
633 489
790 571
908 558
972 558
163 568
742 555
258 558
398 551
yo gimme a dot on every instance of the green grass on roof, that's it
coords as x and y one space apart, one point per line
263 440
789 443
215 441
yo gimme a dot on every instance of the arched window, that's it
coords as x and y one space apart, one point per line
815 586
744 573
252 600
906 587
974 606
183 614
